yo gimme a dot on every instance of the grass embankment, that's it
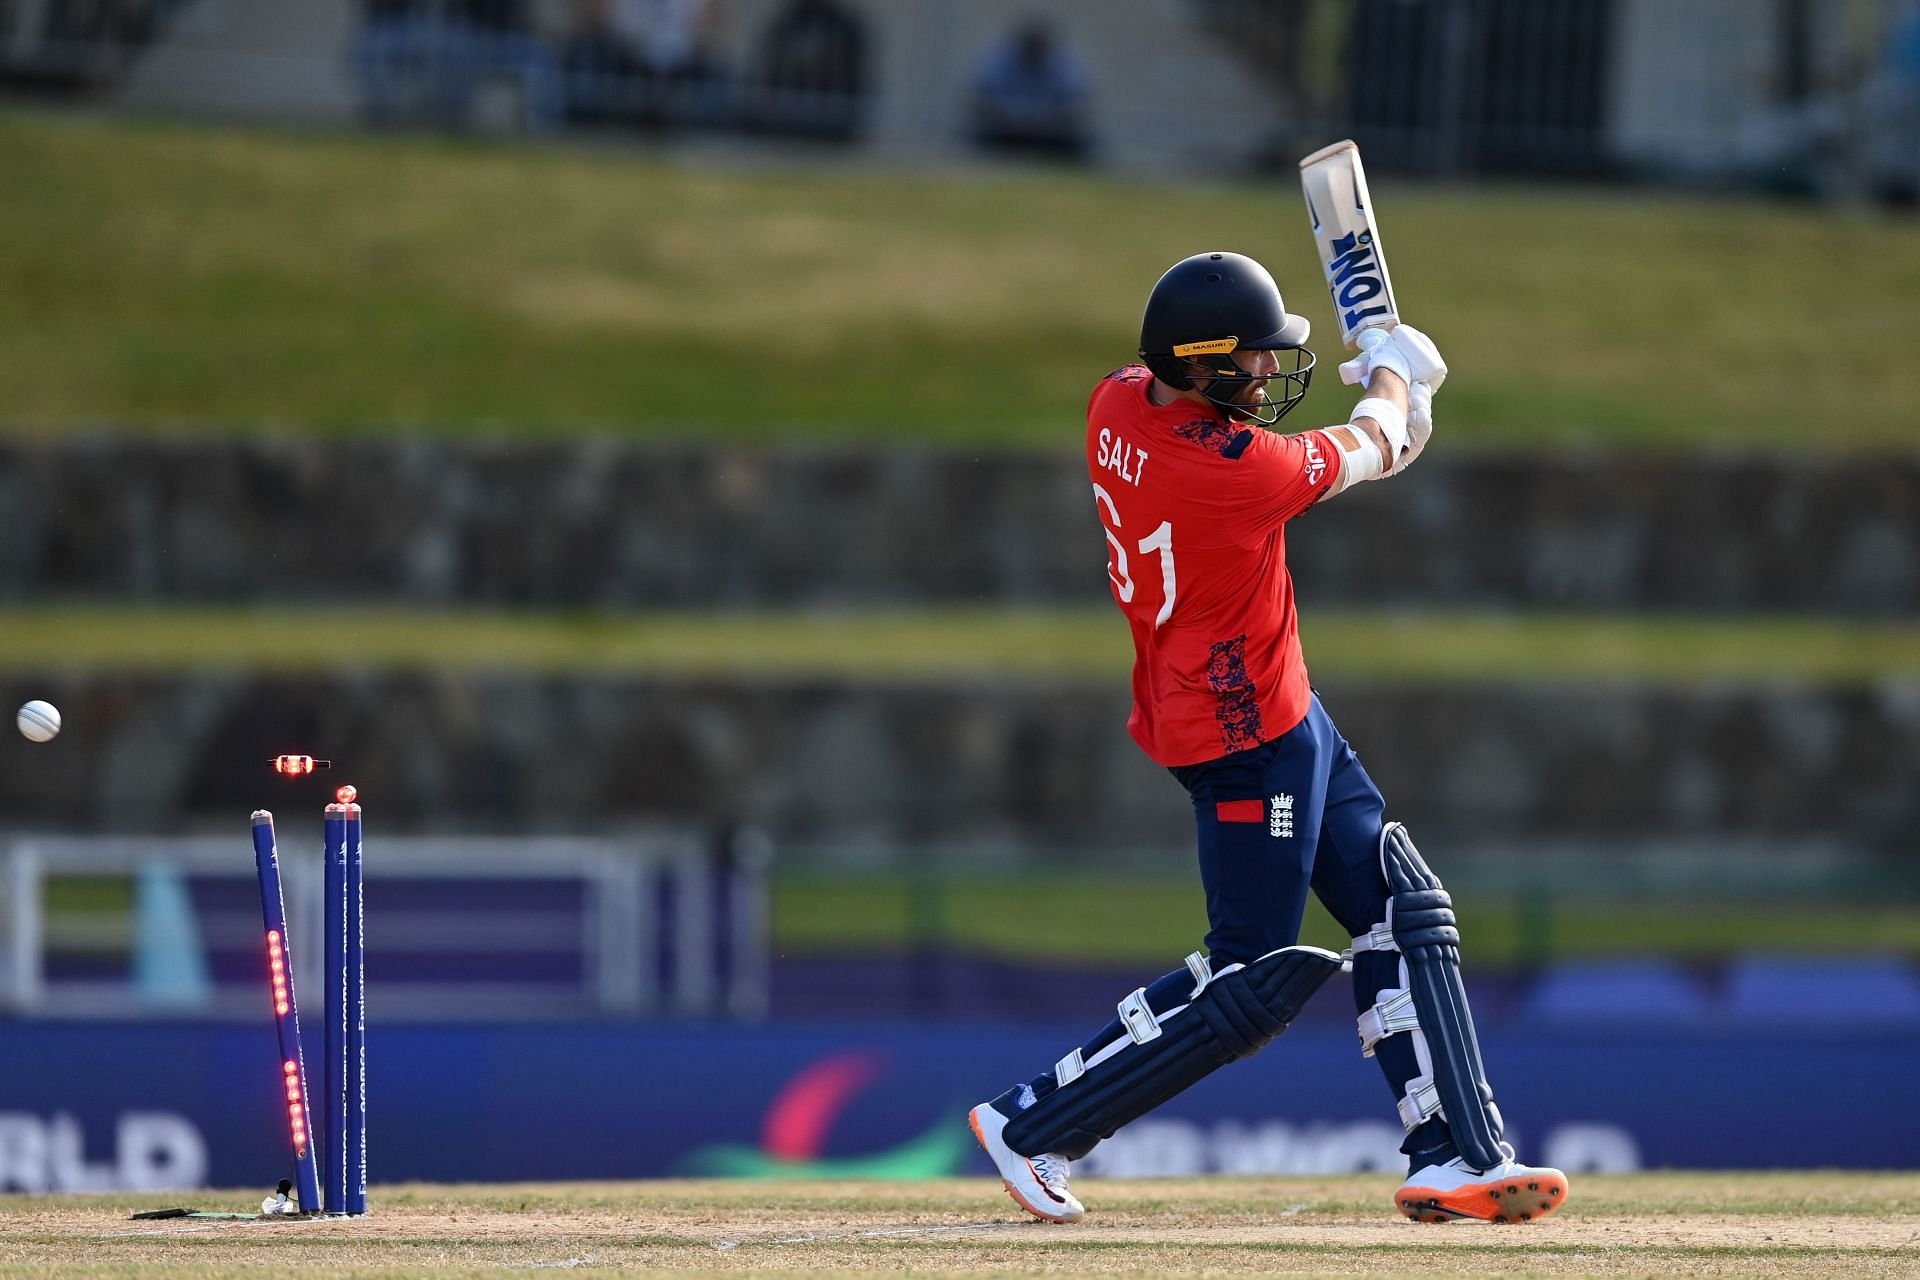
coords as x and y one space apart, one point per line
1148 919
935 644
177 276
1145 918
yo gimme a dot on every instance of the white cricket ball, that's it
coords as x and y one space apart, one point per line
38 720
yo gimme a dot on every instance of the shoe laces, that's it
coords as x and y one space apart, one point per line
1051 1169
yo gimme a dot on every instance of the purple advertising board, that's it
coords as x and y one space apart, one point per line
99 1106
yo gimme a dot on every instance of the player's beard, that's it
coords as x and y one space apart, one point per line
1249 404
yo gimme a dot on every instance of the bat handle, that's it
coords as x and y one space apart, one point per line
1370 337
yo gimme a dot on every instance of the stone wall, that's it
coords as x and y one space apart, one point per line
1038 766
608 524
839 764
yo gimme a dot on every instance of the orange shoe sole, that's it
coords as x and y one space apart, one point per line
1500 1200
1012 1194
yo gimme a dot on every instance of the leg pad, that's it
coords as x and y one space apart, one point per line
1231 1015
1425 934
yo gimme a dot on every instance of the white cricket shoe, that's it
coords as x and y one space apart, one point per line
1511 1192
1037 1184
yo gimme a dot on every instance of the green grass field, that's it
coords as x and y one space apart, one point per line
184 277
1147 918
1144 918
1780 1225
944 643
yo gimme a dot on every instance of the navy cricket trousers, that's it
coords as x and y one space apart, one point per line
1295 814
1277 820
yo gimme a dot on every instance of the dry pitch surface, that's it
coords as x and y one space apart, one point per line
1786 1224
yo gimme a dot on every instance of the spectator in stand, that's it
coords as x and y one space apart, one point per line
424 61
599 68
646 62
681 47
498 42
813 72
1029 94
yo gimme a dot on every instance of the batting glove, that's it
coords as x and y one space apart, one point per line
1423 358
1419 425
1403 349
1377 351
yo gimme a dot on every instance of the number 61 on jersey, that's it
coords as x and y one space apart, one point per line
1118 572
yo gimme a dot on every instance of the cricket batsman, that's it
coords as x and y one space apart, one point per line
1195 497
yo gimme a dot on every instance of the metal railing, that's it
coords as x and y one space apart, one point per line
126 926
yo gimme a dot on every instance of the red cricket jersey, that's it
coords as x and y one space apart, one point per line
1194 508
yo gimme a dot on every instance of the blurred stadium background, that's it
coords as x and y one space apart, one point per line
639 441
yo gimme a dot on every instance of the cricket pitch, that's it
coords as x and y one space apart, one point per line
1767 1225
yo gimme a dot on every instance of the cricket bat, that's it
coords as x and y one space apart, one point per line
1341 212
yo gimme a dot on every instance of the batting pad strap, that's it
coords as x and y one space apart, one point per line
1202 973
1137 1017
1421 1103
1069 1068
1390 1016
1378 938
1391 417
